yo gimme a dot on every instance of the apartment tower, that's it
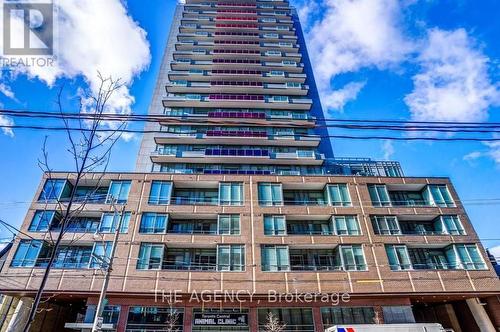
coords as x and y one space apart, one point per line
238 208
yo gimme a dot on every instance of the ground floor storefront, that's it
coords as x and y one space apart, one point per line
135 313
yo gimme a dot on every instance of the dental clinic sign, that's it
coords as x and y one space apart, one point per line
28 33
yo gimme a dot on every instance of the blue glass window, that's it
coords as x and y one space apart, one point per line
160 192
118 190
153 223
110 221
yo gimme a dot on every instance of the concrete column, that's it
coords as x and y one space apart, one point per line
7 302
480 316
9 314
455 325
493 310
20 315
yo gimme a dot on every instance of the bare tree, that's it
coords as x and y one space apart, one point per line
273 324
172 323
91 138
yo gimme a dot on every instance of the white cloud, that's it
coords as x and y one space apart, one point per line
336 99
453 83
97 36
355 34
5 121
387 149
305 11
492 152
495 251
7 91
474 155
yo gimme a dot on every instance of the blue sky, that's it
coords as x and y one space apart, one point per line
374 59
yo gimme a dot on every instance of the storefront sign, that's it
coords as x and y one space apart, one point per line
222 319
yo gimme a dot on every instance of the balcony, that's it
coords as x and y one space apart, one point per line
78 224
451 257
305 197
411 195
205 196
238 155
253 87
238 101
235 75
243 64
87 192
192 226
236 54
340 258
229 44
259 138
309 227
417 225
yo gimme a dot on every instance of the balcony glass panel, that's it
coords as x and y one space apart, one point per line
195 226
195 197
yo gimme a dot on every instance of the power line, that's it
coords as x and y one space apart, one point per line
137 131
444 126
154 117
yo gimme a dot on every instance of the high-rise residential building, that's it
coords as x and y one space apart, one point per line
238 208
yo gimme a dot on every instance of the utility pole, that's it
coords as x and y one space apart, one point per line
98 320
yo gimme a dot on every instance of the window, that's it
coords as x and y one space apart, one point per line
150 256
346 225
275 258
351 257
379 195
101 255
276 73
398 315
270 194
398 257
41 221
465 256
385 225
160 192
110 221
280 99
440 195
349 315
118 190
69 257
229 224
110 314
26 253
231 258
295 319
231 193
153 318
273 53
194 259
274 225
450 225
338 195
293 85
53 190
153 223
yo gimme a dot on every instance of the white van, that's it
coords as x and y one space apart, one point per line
434 327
